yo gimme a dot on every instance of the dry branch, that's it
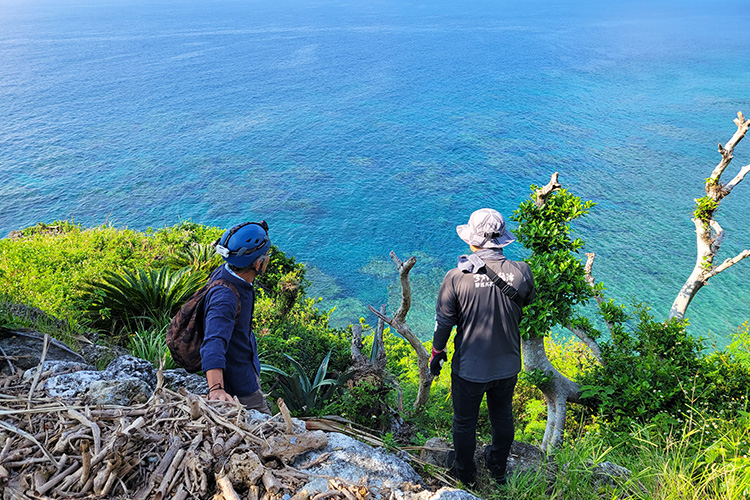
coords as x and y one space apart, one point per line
398 323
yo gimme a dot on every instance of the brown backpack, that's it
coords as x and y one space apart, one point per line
185 332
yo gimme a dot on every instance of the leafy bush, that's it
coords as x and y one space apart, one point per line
304 334
365 404
47 265
558 274
647 372
727 378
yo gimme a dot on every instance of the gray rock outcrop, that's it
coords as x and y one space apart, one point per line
24 349
126 380
352 460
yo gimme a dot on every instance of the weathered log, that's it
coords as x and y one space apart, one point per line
270 482
226 488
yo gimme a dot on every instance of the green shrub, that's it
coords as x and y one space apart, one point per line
304 334
365 404
47 265
647 372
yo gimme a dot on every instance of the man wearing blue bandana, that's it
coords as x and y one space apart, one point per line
229 353
483 297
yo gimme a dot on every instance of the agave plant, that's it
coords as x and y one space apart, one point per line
300 394
144 297
198 257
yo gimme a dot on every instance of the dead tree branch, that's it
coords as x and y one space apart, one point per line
709 234
398 323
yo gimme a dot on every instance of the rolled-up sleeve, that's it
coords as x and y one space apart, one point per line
446 314
221 308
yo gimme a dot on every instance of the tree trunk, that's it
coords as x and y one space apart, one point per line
557 391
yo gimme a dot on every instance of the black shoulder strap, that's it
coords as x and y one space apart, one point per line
503 285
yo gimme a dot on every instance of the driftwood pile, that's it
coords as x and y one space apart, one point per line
176 445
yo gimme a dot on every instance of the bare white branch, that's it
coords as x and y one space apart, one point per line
737 179
586 339
728 263
398 323
727 151
710 234
544 193
718 239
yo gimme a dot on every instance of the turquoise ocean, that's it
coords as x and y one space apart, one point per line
359 127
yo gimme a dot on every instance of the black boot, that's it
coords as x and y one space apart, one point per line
468 478
497 471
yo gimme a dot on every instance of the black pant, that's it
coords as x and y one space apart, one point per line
467 396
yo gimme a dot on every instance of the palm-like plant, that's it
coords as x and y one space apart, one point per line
145 297
198 257
300 394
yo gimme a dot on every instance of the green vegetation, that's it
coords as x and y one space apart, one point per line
302 396
661 405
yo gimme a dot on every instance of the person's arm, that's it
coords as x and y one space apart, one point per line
445 318
221 307
446 315
216 390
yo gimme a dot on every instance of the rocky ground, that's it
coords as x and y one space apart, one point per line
68 430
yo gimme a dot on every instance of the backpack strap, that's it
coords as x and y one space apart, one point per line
227 284
503 285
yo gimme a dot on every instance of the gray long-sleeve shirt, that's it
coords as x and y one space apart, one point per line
488 343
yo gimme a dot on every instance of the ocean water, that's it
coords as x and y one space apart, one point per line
359 127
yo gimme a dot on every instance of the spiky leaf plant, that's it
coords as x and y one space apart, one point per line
140 298
302 396
199 257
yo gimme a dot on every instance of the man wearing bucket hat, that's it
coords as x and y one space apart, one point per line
483 297
229 353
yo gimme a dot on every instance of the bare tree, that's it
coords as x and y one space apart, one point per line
398 323
708 231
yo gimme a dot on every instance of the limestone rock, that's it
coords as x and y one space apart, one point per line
71 386
58 368
435 450
180 378
131 367
610 474
352 460
99 355
122 391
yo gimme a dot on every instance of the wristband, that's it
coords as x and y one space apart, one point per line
215 386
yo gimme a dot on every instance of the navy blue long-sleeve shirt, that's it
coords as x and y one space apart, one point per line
228 344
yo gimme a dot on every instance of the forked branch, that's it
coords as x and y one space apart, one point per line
544 193
398 323
709 234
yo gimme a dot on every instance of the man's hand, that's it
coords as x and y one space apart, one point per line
219 395
216 392
436 361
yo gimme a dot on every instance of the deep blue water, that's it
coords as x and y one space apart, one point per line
360 127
